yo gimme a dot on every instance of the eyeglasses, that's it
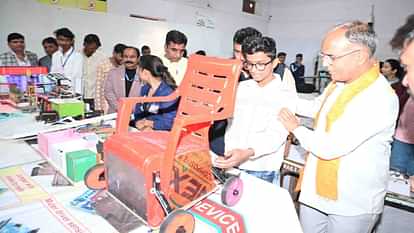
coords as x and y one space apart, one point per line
330 58
258 66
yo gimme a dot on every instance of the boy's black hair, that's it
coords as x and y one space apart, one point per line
404 34
119 48
65 32
49 40
175 37
256 44
243 33
281 54
92 39
14 36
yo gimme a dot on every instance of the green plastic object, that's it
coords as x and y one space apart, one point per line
71 108
78 163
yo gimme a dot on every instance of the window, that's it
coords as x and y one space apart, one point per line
249 6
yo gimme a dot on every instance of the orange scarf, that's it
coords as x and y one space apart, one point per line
327 170
329 89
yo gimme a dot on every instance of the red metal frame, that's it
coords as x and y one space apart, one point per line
22 70
207 93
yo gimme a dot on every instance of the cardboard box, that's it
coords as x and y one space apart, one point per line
59 151
45 140
68 107
78 163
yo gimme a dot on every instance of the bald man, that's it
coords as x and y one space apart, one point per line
346 173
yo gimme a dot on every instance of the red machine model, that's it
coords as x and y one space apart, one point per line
159 174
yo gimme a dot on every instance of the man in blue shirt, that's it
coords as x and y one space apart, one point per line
50 46
298 69
280 68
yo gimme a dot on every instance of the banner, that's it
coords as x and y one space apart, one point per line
90 5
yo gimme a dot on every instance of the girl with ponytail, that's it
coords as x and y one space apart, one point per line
157 81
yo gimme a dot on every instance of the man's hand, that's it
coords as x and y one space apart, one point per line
233 158
149 124
140 124
288 119
277 60
144 125
147 128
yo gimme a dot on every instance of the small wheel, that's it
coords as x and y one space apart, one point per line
179 221
95 177
232 191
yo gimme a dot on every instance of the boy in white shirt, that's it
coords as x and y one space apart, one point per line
254 140
66 60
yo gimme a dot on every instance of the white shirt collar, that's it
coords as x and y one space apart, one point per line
67 52
24 62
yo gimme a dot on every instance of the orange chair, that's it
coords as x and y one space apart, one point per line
159 173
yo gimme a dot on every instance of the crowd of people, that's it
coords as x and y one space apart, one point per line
362 121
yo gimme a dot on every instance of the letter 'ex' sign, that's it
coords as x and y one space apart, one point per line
225 219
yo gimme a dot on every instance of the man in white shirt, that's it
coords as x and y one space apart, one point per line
346 171
92 57
218 129
175 43
66 60
254 141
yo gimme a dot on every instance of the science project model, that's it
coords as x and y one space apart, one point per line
160 174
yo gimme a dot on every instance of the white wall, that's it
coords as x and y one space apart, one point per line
299 25
37 21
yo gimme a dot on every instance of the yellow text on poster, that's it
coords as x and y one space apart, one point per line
92 5
63 3
23 186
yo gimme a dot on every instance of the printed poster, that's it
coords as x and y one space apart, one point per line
57 214
43 216
28 183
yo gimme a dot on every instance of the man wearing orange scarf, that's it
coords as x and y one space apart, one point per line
346 172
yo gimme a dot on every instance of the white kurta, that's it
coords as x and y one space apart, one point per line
255 125
362 136
176 69
70 65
